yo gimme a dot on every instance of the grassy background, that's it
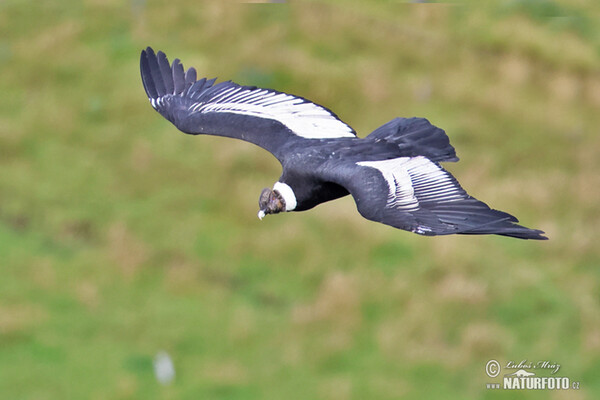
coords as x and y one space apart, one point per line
121 237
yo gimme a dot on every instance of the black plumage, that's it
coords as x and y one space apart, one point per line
393 174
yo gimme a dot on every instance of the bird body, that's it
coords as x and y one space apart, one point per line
394 174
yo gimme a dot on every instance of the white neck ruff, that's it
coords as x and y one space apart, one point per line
288 195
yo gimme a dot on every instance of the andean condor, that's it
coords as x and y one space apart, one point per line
394 174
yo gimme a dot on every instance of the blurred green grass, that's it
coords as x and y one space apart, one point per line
121 237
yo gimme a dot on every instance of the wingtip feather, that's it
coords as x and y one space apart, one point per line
145 71
161 77
165 72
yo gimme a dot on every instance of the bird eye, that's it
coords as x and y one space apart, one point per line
264 198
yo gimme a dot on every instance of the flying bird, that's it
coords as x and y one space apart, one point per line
393 174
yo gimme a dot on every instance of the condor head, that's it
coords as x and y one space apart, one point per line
270 202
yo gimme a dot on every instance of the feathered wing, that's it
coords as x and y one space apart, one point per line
265 117
418 195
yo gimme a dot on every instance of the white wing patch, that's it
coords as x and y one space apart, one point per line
302 117
415 180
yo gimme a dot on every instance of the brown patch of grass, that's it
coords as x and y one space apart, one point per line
19 317
565 86
182 274
511 189
591 339
416 335
386 385
125 250
444 251
77 230
141 155
592 89
375 81
336 388
515 69
483 338
337 302
335 311
224 372
49 40
532 38
457 287
45 274
88 294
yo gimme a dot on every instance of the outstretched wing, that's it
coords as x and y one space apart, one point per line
418 195
264 117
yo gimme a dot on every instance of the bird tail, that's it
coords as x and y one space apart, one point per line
416 137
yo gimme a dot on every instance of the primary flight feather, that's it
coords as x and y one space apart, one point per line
393 174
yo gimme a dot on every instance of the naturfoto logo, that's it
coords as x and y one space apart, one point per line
519 376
